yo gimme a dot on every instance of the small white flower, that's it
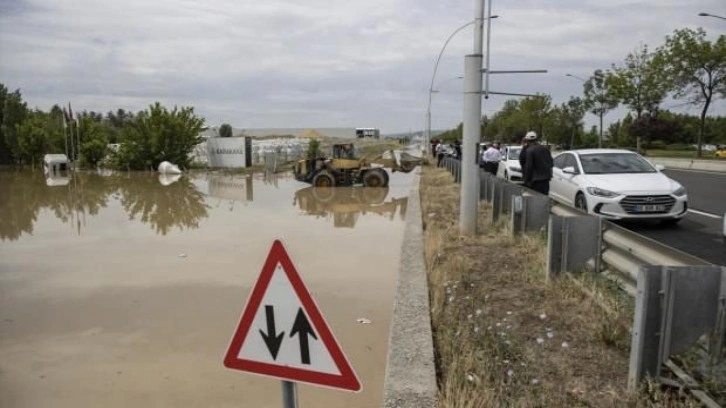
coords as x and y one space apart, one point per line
509 326
469 316
540 340
451 299
542 316
509 313
550 335
565 344
505 361
478 312
504 320
508 342
534 381
510 373
476 329
498 324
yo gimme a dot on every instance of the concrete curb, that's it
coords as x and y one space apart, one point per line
691 164
410 369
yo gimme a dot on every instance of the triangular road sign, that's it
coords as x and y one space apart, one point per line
283 334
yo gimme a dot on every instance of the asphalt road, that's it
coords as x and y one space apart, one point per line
700 231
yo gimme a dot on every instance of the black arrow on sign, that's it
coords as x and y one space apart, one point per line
272 340
302 328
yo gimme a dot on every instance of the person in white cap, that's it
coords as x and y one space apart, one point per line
536 162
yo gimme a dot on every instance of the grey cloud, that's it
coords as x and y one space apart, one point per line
314 63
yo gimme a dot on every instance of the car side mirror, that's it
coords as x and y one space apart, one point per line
569 170
659 167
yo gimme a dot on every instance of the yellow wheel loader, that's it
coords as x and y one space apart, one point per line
344 168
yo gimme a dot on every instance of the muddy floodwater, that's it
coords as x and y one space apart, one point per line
124 290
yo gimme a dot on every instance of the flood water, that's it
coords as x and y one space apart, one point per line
123 290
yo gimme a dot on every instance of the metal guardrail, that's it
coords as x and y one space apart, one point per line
582 241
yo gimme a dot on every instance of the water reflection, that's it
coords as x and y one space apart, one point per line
178 204
346 204
162 203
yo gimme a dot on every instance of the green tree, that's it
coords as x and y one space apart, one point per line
14 112
94 142
225 130
159 134
31 138
598 98
536 113
573 111
696 68
641 84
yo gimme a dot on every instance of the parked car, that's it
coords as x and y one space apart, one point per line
616 184
509 168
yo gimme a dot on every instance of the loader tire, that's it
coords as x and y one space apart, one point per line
375 178
324 179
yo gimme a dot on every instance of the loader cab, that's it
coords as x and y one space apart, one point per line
344 151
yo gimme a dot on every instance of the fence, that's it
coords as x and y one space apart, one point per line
680 299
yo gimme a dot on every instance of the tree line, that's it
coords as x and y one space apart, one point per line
687 67
145 138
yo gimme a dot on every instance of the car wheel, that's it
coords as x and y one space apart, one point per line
580 202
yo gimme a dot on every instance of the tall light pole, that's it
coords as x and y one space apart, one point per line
469 202
711 15
427 137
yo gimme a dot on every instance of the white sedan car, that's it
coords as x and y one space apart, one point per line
509 168
616 184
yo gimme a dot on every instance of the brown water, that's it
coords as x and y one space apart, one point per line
123 290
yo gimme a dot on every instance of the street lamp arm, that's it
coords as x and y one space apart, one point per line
436 66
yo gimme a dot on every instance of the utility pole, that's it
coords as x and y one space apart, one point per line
469 203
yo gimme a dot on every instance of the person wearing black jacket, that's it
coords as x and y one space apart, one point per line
536 162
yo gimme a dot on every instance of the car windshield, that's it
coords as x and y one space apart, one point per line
614 163
513 154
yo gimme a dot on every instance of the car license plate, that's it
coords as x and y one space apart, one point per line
651 208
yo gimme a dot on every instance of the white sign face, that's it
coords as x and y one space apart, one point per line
281 314
226 152
283 334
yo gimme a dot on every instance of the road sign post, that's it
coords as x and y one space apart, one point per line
282 334
289 394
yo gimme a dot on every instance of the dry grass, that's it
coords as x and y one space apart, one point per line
505 335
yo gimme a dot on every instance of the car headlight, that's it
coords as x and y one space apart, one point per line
602 192
680 191
515 168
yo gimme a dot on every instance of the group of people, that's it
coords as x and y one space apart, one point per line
534 159
439 150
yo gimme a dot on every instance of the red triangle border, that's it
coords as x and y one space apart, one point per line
347 380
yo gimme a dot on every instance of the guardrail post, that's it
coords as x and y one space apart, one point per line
571 243
536 211
674 307
497 191
483 182
518 214
644 343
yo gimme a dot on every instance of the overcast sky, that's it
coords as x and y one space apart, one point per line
318 63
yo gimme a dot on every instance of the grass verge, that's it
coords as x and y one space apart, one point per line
506 336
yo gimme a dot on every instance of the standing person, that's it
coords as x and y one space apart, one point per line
439 153
457 148
536 163
491 158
